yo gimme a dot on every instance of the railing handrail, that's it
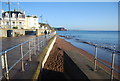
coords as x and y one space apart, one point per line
13 47
21 58
108 66
106 49
17 45
96 58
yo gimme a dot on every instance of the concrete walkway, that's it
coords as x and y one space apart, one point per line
14 55
82 63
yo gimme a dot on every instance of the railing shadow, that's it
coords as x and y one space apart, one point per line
51 75
72 70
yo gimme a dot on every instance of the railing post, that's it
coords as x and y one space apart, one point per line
6 65
22 63
34 47
41 44
112 65
46 39
30 58
38 44
43 41
95 59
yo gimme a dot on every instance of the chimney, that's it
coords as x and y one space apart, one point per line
14 9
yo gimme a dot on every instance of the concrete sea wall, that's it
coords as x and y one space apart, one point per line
20 32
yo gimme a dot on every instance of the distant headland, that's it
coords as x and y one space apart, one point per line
60 29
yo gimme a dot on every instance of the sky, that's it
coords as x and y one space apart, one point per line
62 0
73 15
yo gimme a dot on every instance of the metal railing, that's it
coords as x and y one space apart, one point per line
111 66
21 52
112 53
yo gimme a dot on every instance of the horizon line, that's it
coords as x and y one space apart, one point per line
91 30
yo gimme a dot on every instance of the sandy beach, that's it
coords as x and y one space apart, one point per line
69 62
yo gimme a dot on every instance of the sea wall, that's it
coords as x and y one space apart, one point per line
43 57
20 32
39 32
48 52
3 33
15 32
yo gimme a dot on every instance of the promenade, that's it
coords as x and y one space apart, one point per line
74 65
12 41
32 47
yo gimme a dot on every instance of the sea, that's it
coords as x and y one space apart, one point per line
106 41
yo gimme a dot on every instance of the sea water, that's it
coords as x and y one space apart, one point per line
107 39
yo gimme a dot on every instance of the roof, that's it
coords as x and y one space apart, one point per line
11 12
32 16
28 16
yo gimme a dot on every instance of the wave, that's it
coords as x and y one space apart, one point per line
111 48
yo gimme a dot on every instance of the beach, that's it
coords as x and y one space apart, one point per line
70 62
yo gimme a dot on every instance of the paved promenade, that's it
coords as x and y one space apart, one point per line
12 41
75 66
15 54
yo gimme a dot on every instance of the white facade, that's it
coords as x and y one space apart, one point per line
32 22
18 20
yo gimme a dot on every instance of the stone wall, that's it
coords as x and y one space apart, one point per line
16 32
20 32
39 32
3 33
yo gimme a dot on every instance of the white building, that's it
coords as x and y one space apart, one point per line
32 22
18 20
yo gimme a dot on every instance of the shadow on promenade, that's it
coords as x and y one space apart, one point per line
71 72
51 75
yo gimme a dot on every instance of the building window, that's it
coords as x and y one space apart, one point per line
7 23
20 23
20 15
13 23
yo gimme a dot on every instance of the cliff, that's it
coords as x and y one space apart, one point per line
60 29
